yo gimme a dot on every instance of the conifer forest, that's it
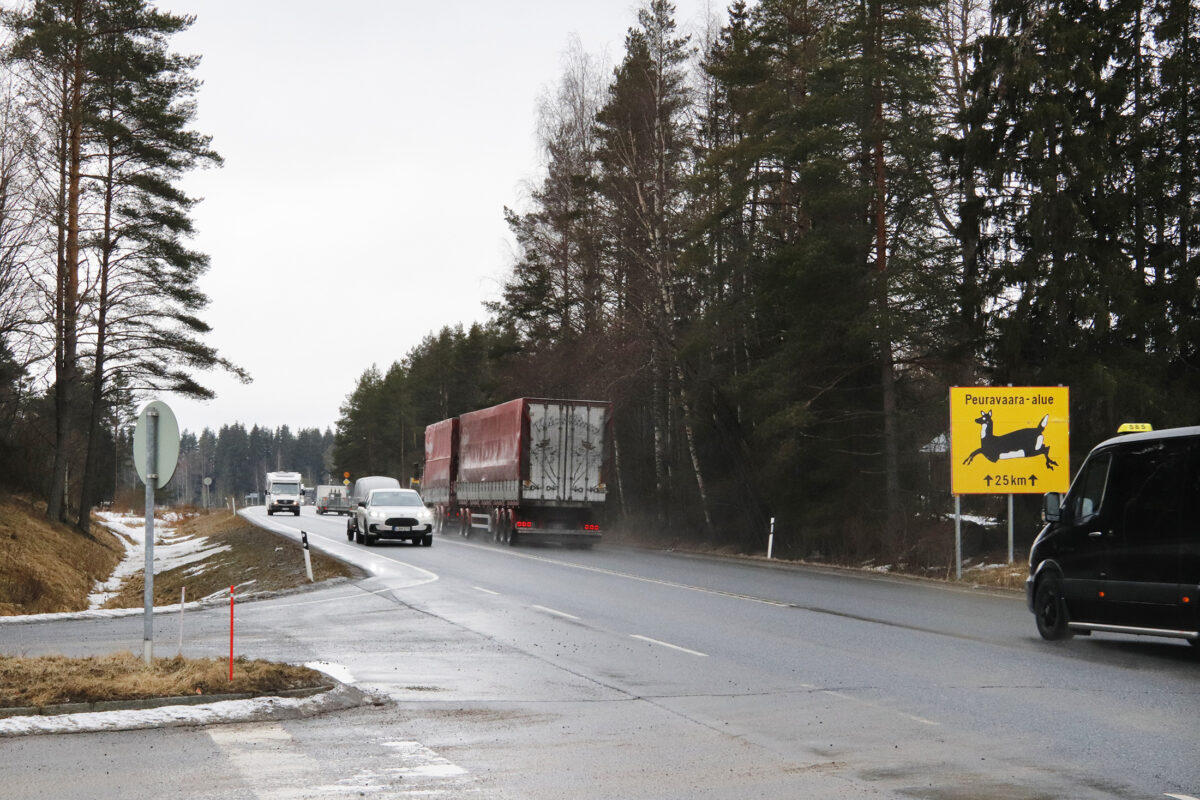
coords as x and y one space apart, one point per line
773 244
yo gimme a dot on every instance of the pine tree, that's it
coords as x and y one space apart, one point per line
123 114
645 145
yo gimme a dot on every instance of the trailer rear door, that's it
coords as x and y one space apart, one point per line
566 451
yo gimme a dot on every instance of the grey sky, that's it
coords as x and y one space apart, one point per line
370 148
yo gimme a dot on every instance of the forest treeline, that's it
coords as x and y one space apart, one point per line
99 298
775 246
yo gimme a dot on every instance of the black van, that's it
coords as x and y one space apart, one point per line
1121 552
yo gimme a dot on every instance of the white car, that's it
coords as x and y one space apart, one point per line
391 514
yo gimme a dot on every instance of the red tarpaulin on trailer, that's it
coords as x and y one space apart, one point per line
439 454
489 446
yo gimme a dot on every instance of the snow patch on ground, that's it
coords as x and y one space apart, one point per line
171 550
164 716
335 671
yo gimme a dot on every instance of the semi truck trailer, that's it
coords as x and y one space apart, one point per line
530 469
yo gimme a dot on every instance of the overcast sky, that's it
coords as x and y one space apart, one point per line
370 147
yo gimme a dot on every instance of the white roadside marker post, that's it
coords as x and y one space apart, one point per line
307 556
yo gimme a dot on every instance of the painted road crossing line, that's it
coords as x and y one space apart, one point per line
273 765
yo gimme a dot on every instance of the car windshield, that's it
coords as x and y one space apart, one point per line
285 488
396 499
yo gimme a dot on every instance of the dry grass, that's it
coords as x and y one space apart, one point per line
257 560
47 567
1000 575
50 680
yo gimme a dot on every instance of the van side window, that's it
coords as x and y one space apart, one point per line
1150 483
1092 482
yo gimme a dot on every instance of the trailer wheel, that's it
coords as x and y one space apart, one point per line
506 520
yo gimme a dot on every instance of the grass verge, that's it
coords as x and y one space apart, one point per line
51 680
46 566
256 560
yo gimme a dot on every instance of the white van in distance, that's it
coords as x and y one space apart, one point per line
283 492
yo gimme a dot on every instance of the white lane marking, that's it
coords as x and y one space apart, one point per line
485 591
332 542
417 760
267 758
861 701
1181 796
274 767
668 644
627 575
562 614
341 598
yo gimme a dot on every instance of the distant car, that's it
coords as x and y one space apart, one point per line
391 514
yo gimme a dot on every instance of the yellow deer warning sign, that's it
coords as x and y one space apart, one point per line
1009 439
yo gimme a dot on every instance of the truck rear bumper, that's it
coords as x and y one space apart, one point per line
553 536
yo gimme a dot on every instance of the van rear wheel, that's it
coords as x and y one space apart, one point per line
1050 610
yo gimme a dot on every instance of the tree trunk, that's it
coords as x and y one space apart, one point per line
66 373
91 463
887 367
691 445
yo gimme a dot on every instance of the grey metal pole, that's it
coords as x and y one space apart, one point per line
958 537
1010 528
151 482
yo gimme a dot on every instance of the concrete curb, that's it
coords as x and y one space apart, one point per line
187 711
151 702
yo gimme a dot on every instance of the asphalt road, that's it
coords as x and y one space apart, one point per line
545 673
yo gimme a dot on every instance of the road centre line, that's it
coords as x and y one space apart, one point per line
485 591
1181 796
562 614
668 644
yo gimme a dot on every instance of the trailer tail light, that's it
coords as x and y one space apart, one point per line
591 527
523 523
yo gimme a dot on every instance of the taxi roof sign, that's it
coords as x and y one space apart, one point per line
1009 439
1135 427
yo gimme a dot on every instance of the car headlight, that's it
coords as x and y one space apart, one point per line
376 514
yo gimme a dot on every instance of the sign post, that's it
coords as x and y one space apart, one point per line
1008 440
155 454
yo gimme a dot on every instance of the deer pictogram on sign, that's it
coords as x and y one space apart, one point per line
1023 443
